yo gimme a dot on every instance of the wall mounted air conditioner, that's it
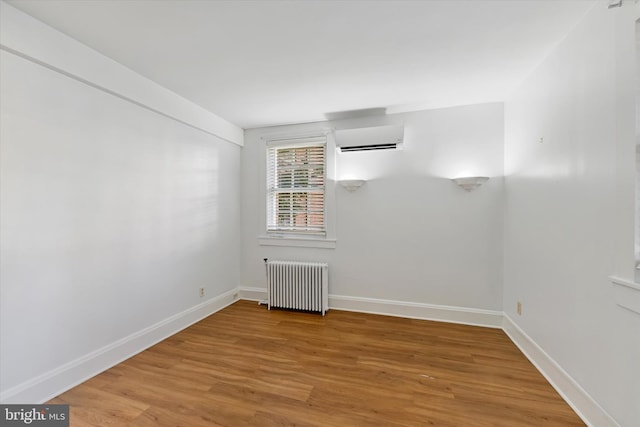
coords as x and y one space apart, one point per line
370 138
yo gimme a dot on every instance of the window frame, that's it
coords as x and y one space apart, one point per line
273 190
296 239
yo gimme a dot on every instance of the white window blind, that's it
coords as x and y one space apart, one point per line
296 186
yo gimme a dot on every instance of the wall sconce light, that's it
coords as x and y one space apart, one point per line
352 185
470 182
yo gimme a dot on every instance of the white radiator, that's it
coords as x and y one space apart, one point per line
298 285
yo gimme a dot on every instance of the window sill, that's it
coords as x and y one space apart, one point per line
627 293
297 242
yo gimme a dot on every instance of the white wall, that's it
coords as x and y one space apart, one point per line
112 217
26 36
637 135
569 209
409 234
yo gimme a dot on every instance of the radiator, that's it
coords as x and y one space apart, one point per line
298 285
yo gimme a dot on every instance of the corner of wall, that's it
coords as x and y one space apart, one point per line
21 34
67 376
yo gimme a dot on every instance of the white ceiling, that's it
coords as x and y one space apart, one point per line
258 63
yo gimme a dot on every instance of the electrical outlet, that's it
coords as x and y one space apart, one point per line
519 308
201 292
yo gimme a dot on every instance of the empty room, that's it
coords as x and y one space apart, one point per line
320 213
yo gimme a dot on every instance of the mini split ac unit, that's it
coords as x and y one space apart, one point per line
370 138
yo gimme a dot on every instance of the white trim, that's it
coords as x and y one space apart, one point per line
624 282
626 293
22 35
581 402
316 155
306 141
297 242
283 137
413 310
252 294
58 380
291 240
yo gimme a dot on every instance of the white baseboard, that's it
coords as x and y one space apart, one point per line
252 294
61 379
441 313
581 402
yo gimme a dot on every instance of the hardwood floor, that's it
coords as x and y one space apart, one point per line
248 366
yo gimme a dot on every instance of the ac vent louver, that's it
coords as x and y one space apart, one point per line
369 147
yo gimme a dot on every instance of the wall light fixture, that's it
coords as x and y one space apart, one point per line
352 185
470 182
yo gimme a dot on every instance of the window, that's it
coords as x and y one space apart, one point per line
296 172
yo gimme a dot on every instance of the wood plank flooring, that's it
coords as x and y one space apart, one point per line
247 366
